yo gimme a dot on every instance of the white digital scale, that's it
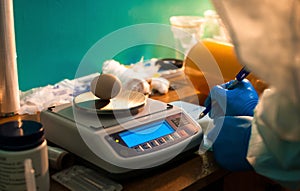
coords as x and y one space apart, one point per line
121 141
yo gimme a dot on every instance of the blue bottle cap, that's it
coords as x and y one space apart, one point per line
21 135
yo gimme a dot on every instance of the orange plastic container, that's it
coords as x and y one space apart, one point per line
212 62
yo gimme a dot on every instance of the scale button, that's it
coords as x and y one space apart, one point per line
192 129
161 140
176 121
145 146
182 133
153 143
176 135
168 138
184 121
138 148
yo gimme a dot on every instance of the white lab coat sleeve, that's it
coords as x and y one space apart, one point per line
274 146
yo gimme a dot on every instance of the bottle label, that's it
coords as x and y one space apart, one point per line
12 175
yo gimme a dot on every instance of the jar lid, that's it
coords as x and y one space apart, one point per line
21 135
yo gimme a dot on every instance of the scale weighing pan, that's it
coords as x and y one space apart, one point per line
126 100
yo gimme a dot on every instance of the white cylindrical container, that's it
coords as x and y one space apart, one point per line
9 86
19 141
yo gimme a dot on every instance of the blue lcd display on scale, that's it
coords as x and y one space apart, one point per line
146 133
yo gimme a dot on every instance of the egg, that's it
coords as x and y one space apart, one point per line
106 86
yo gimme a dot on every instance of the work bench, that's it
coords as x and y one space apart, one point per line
195 172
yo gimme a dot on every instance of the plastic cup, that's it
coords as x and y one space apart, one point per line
186 32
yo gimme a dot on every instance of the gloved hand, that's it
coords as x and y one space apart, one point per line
230 111
231 137
239 101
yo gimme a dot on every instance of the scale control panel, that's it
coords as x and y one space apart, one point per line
153 136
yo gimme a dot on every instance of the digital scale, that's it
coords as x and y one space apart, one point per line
123 140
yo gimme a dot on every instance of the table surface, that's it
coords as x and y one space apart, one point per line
191 173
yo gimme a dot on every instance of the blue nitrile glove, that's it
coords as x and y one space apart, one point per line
231 144
231 111
239 101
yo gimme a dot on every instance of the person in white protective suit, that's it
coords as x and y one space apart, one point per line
261 133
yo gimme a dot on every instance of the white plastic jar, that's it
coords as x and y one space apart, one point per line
19 141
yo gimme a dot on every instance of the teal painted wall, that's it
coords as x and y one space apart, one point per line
52 36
